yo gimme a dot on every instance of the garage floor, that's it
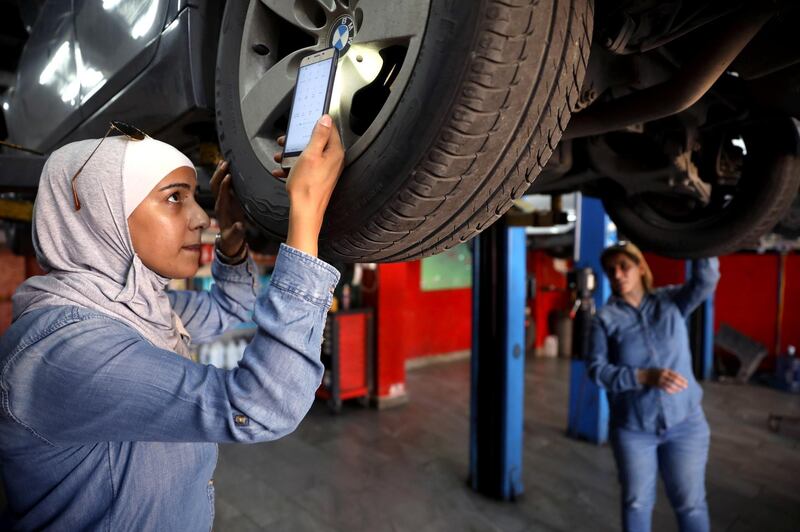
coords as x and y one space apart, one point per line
405 469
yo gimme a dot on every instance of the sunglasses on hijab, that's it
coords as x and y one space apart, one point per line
133 133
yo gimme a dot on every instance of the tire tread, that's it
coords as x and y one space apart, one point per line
501 132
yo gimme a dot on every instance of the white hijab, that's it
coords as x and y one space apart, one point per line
87 255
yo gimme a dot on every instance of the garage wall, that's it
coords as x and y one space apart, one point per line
747 295
666 271
550 294
412 323
13 271
442 320
748 298
418 323
791 311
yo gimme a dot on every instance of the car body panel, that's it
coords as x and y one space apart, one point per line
82 57
116 40
45 100
169 87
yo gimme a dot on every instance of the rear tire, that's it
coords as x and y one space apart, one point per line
789 226
769 184
487 102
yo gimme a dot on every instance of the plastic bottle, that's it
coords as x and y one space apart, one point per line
216 355
346 297
241 345
231 355
202 354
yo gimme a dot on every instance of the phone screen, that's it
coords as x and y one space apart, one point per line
308 104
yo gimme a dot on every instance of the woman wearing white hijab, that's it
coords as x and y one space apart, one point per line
106 423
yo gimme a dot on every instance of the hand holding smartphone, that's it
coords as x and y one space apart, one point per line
311 100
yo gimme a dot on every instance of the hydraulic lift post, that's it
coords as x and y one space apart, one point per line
588 404
701 334
498 361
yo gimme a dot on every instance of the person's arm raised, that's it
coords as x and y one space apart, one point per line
310 184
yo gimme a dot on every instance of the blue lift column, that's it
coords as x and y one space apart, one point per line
701 334
588 405
498 361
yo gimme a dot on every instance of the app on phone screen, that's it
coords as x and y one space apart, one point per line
308 105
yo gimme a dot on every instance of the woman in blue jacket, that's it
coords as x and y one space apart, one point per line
639 352
106 422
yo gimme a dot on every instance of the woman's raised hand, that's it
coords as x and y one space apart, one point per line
228 211
310 184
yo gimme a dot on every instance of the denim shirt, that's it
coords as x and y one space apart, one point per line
624 339
100 430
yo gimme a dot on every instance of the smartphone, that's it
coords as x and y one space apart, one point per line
311 100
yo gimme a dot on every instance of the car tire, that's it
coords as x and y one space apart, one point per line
488 100
789 226
769 185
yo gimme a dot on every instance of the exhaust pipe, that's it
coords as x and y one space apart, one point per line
726 39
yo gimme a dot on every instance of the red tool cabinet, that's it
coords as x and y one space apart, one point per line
347 353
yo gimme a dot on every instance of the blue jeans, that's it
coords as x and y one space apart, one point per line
680 453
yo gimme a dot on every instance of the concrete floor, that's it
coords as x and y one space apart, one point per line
405 469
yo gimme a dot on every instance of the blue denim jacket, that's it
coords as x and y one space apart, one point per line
624 339
100 430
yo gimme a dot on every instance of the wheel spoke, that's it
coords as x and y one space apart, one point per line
346 85
308 15
265 88
353 75
390 21
328 5
286 10
270 96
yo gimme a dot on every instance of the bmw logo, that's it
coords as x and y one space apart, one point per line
342 33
